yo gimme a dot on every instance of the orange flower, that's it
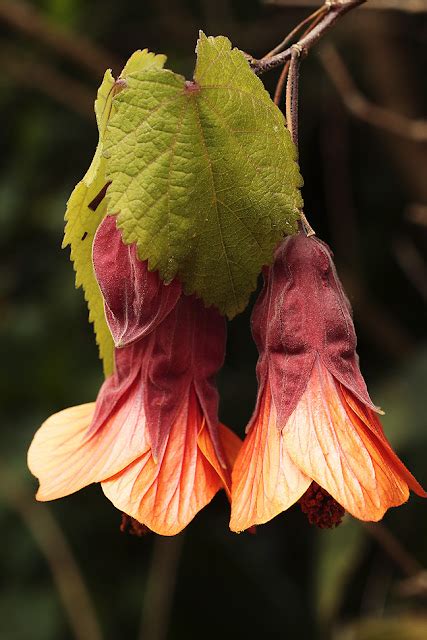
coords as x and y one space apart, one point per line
314 435
152 439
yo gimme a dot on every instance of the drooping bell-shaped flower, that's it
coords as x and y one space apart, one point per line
152 439
315 434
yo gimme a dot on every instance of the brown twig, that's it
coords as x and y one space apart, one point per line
406 6
27 19
372 316
335 10
385 332
378 42
281 83
412 264
360 107
391 545
313 20
292 34
42 77
160 587
324 18
417 213
414 586
57 553
292 89
292 67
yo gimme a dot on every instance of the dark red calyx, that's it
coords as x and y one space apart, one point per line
321 509
133 527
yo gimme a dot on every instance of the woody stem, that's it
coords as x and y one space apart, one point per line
312 21
292 87
321 21
292 34
335 10
392 546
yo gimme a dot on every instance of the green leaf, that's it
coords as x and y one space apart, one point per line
82 223
87 205
204 174
143 60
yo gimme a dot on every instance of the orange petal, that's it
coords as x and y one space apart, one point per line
64 458
265 481
231 445
337 453
368 421
166 496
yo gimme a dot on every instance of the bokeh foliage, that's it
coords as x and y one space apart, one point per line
287 580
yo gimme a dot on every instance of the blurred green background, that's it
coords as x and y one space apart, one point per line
66 571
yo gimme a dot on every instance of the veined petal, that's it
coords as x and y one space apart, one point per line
165 496
66 457
265 481
365 419
338 454
188 349
230 445
129 365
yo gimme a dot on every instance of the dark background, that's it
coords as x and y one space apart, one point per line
365 193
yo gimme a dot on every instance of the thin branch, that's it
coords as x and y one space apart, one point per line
335 10
160 587
393 547
313 16
406 6
42 77
58 555
378 43
360 107
292 89
27 19
417 213
412 264
280 86
375 319
291 71
313 20
414 586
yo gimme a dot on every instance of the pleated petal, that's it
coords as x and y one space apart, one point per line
265 481
165 496
366 420
230 444
66 457
339 454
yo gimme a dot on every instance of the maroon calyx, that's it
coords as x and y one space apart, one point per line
321 509
133 527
